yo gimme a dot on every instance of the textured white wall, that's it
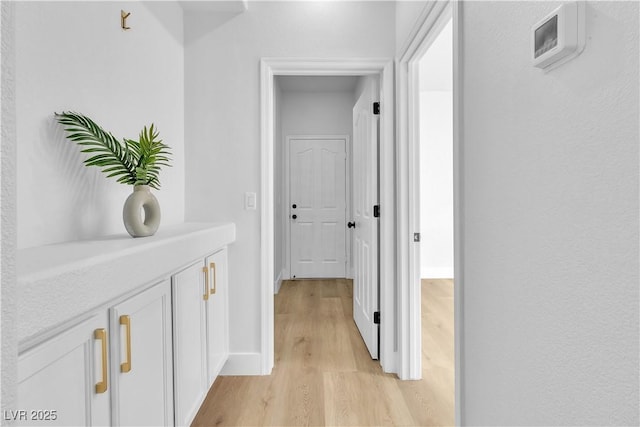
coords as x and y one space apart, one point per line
223 119
8 290
75 56
550 178
436 184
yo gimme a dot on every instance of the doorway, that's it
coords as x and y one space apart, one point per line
312 153
432 21
436 157
435 130
270 69
326 223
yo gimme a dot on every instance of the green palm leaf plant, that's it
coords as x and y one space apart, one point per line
131 162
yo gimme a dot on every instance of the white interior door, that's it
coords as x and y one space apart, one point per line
317 207
365 197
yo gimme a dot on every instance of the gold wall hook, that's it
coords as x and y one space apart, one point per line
123 19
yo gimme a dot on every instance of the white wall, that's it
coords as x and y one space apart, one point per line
436 157
8 289
223 119
311 113
436 184
550 181
75 56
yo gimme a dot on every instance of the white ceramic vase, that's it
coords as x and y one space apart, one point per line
140 202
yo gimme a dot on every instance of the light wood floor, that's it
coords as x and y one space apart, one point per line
323 374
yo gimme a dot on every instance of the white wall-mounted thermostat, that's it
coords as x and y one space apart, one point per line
559 36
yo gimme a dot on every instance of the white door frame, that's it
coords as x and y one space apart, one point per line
287 196
269 68
432 20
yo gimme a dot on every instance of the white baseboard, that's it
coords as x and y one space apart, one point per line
284 275
243 364
437 273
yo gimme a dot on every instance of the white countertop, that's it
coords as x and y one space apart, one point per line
59 282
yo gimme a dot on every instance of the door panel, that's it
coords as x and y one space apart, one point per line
302 164
145 392
329 161
318 190
72 362
189 342
217 325
365 175
329 244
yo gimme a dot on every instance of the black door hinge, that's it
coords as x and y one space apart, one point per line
376 108
376 211
376 317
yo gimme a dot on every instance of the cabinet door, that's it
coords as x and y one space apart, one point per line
64 381
189 341
217 315
142 368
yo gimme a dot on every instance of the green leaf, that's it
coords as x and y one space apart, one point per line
85 132
131 162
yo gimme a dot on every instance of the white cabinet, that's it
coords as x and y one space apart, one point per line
200 326
65 381
96 374
146 353
141 356
217 316
189 341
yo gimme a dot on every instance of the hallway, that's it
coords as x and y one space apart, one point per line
323 374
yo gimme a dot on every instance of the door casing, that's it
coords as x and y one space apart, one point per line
269 68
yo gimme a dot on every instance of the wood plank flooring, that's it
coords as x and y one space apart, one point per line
323 374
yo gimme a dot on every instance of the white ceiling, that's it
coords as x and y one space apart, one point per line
436 66
317 83
215 5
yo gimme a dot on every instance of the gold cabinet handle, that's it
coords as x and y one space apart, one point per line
212 266
205 296
101 334
126 321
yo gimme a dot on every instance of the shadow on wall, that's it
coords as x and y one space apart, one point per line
165 14
84 185
203 23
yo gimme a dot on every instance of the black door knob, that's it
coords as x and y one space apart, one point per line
294 216
294 206
351 224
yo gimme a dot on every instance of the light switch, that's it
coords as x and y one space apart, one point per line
250 201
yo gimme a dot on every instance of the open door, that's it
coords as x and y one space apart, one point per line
365 206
